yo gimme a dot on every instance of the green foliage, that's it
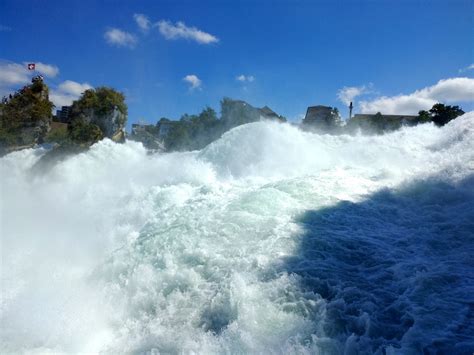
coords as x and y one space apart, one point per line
8 138
193 132
83 133
101 100
439 114
27 108
423 116
178 137
58 134
442 114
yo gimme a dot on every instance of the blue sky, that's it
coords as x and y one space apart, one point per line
387 56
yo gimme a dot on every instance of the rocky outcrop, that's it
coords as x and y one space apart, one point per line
25 117
99 113
111 122
148 135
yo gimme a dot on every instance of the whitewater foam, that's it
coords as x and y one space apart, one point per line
268 240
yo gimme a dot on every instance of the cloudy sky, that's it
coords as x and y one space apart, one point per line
172 57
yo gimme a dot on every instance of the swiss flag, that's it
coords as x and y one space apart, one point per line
31 66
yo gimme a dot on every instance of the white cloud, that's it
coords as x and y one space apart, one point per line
67 92
445 91
180 30
13 75
245 78
142 21
16 73
469 67
349 93
120 38
44 69
193 80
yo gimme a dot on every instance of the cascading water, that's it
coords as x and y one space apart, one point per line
269 240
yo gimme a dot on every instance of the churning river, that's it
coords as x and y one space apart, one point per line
268 241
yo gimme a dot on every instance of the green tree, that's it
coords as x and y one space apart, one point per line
83 133
442 114
27 108
423 116
102 100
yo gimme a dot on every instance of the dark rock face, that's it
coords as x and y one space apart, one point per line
99 113
111 123
25 117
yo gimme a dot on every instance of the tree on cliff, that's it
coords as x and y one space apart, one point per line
99 113
26 116
101 100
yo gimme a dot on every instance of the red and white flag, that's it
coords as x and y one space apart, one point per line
31 66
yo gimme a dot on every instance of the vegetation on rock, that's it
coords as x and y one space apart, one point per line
94 116
25 116
58 133
83 133
101 100
193 132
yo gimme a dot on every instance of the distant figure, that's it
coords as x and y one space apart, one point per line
350 110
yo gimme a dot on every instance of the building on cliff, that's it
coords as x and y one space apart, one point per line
238 112
63 115
321 118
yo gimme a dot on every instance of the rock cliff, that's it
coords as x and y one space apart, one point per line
99 113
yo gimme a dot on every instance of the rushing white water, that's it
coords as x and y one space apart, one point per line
270 240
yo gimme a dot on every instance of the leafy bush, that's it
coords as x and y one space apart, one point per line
58 133
27 108
442 114
193 132
439 114
101 100
83 133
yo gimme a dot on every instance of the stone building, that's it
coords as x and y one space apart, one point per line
322 118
